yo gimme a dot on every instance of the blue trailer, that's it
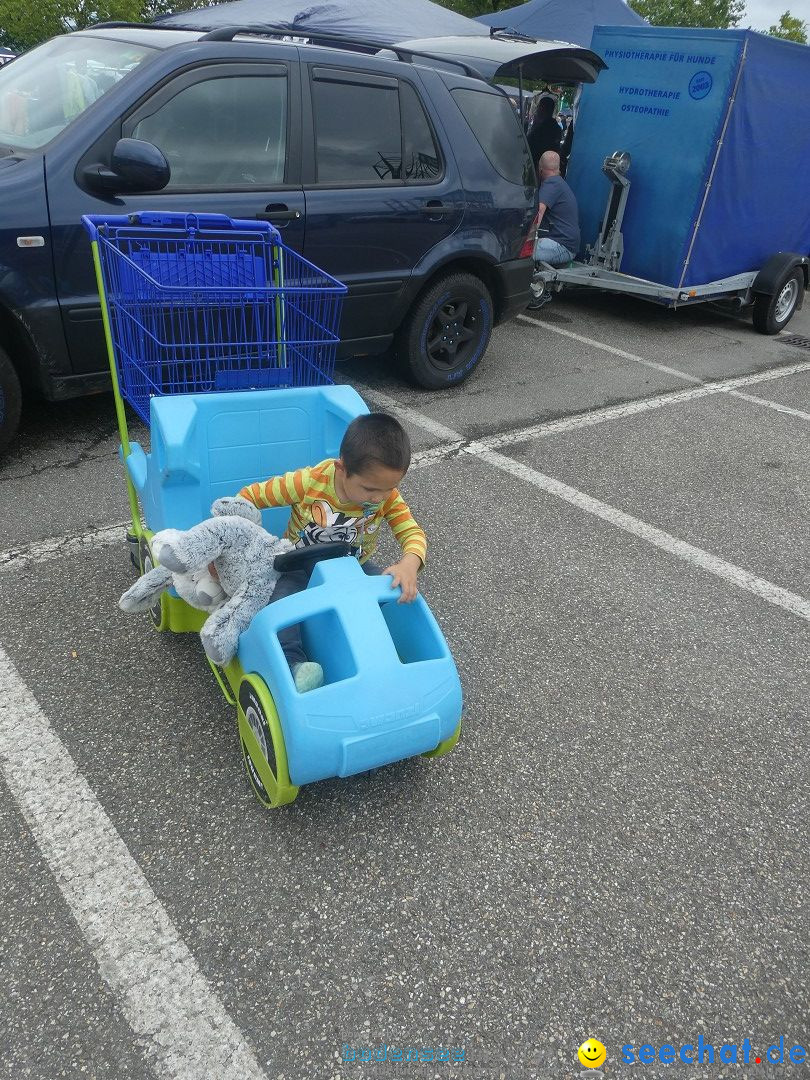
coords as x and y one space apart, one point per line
708 197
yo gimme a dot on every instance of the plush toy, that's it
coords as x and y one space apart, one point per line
242 553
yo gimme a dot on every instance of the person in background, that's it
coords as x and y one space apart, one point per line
544 133
558 220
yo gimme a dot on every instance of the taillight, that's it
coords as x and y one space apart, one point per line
527 250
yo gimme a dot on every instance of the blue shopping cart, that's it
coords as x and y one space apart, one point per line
195 303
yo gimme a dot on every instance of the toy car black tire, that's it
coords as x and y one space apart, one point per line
270 745
157 611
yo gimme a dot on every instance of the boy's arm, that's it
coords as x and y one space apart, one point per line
278 490
408 534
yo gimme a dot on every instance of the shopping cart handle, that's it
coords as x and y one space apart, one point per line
220 222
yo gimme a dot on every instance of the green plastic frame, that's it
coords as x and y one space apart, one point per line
446 745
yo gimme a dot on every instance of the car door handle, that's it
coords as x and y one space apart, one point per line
435 208
278 213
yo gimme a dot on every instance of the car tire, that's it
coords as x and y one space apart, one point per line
772 313
446 332
10 400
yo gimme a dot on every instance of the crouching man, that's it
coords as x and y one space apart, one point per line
558 229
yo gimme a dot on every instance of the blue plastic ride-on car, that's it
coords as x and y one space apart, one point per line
391 688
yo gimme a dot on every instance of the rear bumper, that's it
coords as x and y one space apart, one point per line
514 278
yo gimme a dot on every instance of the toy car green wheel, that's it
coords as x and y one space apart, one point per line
446 745
263 746
158 612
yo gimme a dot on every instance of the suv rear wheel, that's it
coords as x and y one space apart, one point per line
10 400
446 332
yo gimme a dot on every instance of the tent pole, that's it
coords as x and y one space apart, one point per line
520 93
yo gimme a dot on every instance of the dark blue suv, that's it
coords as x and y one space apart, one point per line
406 176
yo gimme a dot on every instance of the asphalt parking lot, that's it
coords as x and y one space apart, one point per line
617 507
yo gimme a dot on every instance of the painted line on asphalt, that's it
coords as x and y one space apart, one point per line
689 553
773 405
609 348
176 1016
772 373
62 547
614 412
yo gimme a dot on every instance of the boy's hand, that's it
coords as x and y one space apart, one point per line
404 574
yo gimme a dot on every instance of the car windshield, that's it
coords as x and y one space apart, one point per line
43 90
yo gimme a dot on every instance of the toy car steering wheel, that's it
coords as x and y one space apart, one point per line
305 558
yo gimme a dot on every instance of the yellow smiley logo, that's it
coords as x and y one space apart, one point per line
592 1054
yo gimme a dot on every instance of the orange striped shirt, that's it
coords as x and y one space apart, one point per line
318 516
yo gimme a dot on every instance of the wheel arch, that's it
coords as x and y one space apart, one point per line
478 267
776 268
18 345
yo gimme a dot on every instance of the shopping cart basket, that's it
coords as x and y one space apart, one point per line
202 302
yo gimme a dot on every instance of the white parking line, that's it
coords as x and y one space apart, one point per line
617 412
175 1014
735 575
773 405
61 547
609 348
773 373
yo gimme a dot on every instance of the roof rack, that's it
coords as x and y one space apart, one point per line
114 25
317 37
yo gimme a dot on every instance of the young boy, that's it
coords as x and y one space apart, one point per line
346 498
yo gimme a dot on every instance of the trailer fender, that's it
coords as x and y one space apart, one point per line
772 275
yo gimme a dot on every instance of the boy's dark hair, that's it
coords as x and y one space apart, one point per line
375 439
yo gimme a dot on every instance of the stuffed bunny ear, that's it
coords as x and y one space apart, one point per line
236 506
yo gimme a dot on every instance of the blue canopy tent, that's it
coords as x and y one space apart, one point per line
564 20
448 37
379 22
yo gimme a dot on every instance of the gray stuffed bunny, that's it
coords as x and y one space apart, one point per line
242 553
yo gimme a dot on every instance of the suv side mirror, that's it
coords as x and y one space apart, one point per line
135 167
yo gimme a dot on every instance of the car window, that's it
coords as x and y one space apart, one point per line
495 125
421 154
357 132
228 132
47 88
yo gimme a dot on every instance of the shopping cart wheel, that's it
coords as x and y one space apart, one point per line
446 332
446 745
157 612
263 746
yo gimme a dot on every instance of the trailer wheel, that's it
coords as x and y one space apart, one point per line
772 313
10 400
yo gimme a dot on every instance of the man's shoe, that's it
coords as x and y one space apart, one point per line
539 302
